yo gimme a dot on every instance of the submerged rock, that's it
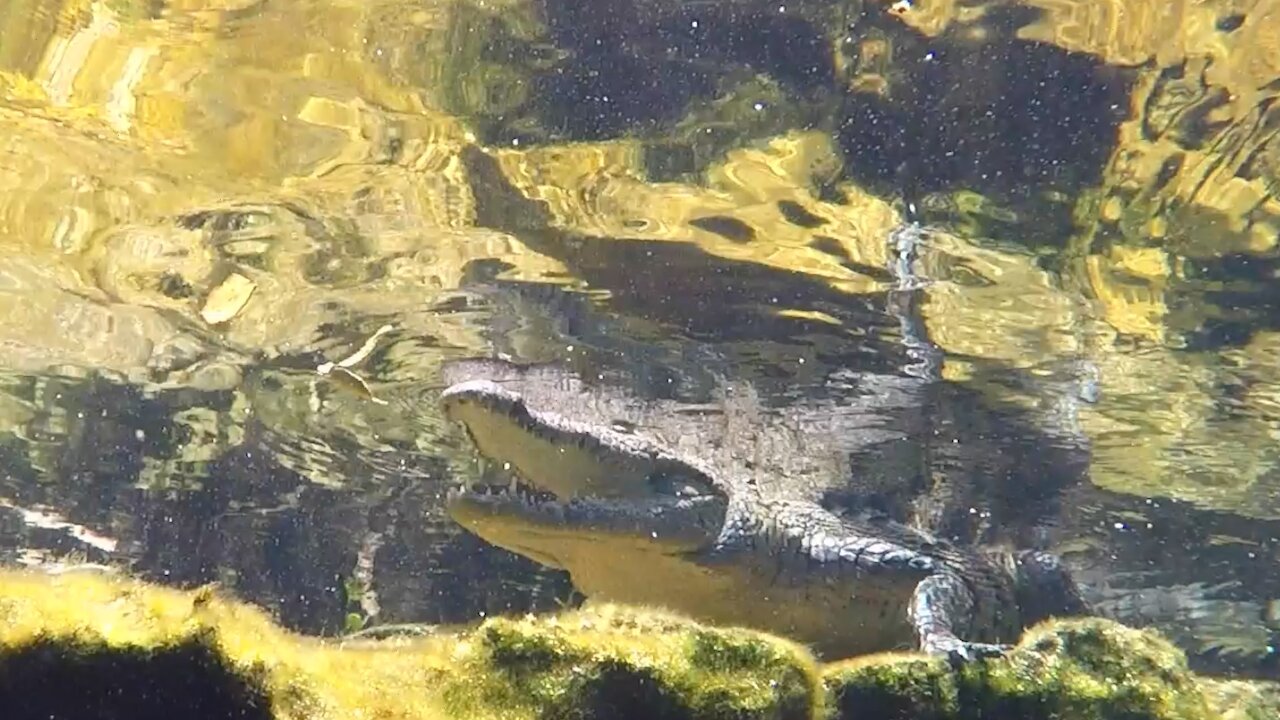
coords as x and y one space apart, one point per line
104 646
81 645
1084 669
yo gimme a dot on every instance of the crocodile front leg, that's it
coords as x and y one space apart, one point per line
939 603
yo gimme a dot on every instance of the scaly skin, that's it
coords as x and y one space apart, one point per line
633 522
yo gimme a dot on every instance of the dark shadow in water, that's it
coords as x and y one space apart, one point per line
631 68
187 680
241 518
265 528
1169 561
692 293
976 107
699 297
998 114
1225 301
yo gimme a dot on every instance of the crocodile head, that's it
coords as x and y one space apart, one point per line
577 493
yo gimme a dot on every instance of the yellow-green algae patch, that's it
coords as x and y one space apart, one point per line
90 645
82 645
1088 669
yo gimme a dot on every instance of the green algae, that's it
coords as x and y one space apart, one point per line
1087 669
131 650
667 668
103 646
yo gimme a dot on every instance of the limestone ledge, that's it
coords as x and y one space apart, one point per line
82 644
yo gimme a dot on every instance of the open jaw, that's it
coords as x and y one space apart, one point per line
567 483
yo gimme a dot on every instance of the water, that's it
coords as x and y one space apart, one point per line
1016 266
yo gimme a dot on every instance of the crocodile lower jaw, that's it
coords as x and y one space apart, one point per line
537 524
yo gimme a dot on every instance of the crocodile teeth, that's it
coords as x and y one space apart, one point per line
514 489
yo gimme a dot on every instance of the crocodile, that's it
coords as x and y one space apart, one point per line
636 521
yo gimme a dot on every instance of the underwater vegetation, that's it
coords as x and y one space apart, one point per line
81 645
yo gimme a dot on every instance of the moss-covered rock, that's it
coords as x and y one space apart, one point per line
613 662
83 645
1088 669
89 645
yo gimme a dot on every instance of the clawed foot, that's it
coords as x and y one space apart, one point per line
959 652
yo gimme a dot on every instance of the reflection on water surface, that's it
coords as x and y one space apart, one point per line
1041 236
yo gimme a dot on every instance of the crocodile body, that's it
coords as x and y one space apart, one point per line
632 520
